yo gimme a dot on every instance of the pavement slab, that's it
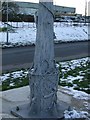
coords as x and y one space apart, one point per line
11 98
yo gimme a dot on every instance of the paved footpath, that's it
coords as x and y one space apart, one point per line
12 98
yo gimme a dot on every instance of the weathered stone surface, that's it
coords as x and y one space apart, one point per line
24 112
44 50
44 75
43 93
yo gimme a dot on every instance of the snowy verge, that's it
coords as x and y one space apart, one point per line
13 77
25 34
74 114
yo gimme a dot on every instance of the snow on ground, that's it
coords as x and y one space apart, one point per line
73 63
75 114
65 65
13 75
73 81
71 33
25 34
76 94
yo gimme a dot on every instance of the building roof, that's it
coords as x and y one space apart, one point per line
35 6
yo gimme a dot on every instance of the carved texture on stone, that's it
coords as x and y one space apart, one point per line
43 92
43 77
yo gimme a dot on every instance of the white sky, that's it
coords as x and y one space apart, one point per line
78 4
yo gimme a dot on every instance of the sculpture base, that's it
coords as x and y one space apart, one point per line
23 111
43 92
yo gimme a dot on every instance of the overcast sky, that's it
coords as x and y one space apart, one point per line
78 4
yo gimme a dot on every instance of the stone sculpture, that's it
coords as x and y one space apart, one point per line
43 76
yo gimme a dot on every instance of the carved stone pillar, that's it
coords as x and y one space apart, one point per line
43 77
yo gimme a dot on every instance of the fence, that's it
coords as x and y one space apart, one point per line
30 25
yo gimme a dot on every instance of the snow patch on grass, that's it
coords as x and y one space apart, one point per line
76 94
75 114
25 34
70 82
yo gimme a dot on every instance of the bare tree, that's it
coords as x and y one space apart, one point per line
12 8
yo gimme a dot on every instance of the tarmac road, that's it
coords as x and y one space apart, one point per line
22 57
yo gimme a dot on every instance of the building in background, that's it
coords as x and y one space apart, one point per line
31 8
28 8
27 12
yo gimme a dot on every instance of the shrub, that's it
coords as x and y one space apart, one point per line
4 29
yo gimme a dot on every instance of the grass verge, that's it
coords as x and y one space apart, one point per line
76 77
4 29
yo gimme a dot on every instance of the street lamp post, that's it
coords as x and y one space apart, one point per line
85 10
7 25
